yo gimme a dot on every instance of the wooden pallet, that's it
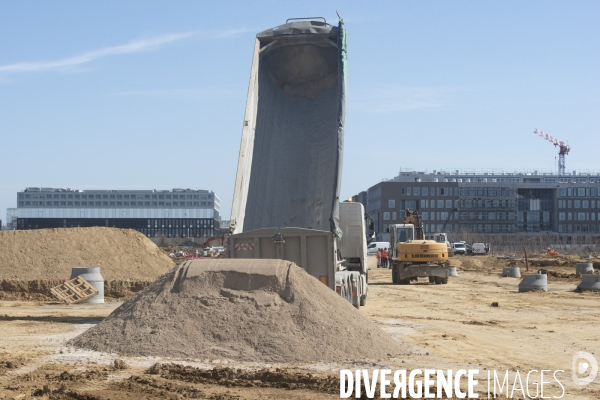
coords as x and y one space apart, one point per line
74 291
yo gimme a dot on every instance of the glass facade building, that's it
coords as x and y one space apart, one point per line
488 202
172 213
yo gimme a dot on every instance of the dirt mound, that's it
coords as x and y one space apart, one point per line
51 253
39 289
243 310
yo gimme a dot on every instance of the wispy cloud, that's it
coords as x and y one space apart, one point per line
177 93
399 99
135 46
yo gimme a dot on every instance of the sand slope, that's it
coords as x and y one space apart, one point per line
243 310
51 253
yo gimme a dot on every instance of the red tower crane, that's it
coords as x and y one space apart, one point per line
563 149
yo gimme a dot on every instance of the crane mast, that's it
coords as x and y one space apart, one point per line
563 149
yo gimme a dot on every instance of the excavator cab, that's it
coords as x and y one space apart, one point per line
405 233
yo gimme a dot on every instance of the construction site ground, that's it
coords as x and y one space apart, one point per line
451 326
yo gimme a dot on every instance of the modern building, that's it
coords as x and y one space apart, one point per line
225 226
11 218
169 213
489 202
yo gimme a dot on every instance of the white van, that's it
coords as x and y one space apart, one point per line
478 248
374 246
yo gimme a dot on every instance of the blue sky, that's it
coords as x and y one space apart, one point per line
151 95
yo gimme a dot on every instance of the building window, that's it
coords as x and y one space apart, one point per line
569 216
448 203
408 191
425 191
417 191
577 203
561 216
394 216
424 203
386 216
585 204
391 203
440 204
570 204
425 215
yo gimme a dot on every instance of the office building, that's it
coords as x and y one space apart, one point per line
489 202
169 213
11 218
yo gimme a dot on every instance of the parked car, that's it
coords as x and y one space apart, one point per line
459 248
478 248
373 246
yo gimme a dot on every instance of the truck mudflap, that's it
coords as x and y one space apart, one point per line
403 272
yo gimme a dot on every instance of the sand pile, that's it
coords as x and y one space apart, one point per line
243 310
51 253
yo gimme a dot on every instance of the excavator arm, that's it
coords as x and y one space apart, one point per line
413 217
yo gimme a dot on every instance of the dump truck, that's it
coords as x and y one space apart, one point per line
286 201
413 257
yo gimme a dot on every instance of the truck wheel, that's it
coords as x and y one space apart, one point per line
405 281
356 302
432 279
394 271
438 280
363 300
444 281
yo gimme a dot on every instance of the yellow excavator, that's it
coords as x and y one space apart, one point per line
414 257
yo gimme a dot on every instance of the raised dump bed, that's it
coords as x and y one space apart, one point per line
290 161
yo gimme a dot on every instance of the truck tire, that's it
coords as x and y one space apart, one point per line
405 281
444 281
394 272
363 300
343 293
356 301
432 279
438 280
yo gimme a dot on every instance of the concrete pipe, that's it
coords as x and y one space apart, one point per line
511 272
92 275
452 271
589 282
584 268
534 282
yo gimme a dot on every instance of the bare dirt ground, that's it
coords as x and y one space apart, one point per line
442 326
